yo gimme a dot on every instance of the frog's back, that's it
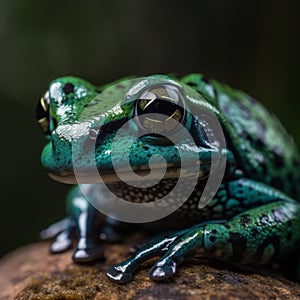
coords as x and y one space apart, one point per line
263 148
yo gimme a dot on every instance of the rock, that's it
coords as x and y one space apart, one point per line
32 273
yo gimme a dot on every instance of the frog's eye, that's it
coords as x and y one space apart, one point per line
43 114
160 109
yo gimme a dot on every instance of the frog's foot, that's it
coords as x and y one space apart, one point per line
87 251
62 231
54 229
62 242
172 247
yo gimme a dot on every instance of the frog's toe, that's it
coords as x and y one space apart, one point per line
56 228
61 243
60 246
119 275
87 252
163 269
177 251
124 271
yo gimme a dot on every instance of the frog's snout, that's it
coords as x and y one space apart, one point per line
63 139
57 155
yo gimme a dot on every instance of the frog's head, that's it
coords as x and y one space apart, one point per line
131 121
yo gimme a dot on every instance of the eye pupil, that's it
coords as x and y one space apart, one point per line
167 105
158 106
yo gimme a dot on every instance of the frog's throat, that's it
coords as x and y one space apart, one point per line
171 173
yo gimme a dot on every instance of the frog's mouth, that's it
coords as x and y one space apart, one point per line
172 172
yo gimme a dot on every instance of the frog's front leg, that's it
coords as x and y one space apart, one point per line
83 219
252 237
86 218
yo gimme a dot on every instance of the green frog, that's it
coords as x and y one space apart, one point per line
253 215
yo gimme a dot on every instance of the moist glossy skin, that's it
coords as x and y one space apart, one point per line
254 217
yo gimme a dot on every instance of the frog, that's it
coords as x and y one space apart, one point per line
252 219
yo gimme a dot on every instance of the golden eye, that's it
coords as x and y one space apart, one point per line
44 104
160 109
42 113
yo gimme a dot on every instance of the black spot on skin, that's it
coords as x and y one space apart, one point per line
212 238
239 246
278 160
226 226
277 183
263 168
254 232
244 219
248 137
260 143
214 231
270 240
68 88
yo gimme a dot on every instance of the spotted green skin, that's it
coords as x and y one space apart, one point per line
254 218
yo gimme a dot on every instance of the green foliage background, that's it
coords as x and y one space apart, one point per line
251 45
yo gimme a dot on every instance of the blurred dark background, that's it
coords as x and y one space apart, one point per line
251 45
